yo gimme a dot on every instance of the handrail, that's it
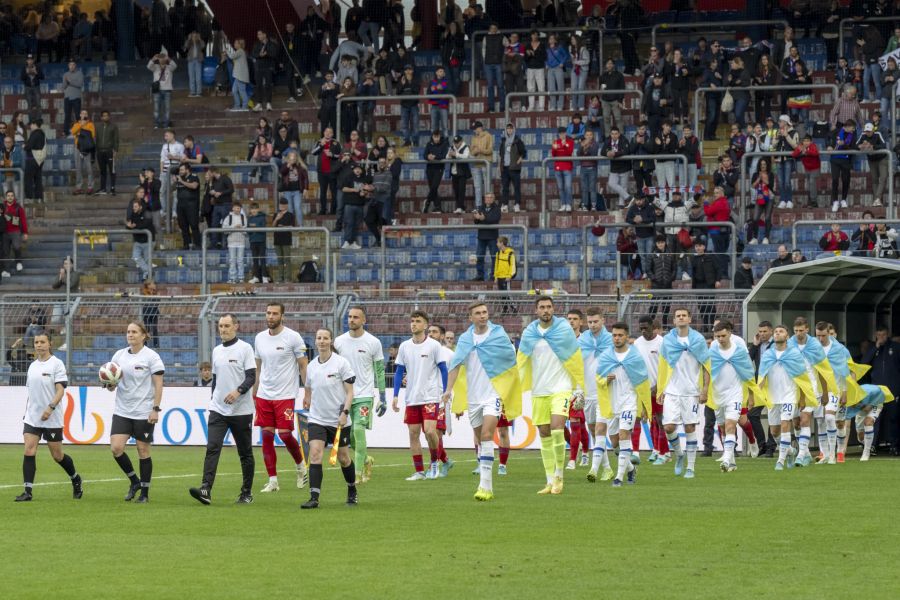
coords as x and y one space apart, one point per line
649 294
831 222
107 232
893 116
743 189
544 217
507 103
204 284
713 25
19 182
601 24
753 88
390 228
843 25
452 99
451 161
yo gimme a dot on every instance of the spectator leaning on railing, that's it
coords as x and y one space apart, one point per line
489 214
834 240
872 143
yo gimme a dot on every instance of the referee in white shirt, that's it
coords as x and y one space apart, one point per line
230 409
46 383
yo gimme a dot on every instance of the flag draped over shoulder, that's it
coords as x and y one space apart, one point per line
594 344
815 355
561 340
792 362
874 395
672 351
498 358
743 366
636 370
840 361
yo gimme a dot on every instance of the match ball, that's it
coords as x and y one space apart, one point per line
110 374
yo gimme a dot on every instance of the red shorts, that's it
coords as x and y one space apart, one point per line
503 421
418 414
655 408
442 418
576 414
274 413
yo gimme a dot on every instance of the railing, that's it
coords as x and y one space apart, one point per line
523 33
204 283
507 103
709 304
18 181
754 88
649 157
451 161
865 20
450 97
101 237
16 313
742 189
387 230
830 222
714 25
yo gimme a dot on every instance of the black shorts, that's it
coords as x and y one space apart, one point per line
50 434
326 434
139 429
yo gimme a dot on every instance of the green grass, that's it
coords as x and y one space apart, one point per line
821 532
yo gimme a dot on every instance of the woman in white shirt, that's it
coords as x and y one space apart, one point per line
46 382
138 398
328 396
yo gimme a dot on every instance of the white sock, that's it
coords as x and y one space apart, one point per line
273 479
624 458
868 437
831 434
486 465
842 438
803 441
691 448
674 443
730 441
822 435
558 473
605 457
784 446
597 458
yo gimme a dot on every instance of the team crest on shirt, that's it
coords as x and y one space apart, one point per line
364 411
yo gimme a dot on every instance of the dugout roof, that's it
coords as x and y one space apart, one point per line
855 293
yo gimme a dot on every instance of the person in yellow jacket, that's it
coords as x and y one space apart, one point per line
504 271
85 136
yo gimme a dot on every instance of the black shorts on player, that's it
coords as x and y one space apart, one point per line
326 434
48 434
139 429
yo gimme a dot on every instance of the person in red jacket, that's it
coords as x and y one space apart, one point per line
720 237
808 153
563 146
16 231
835 240
626 244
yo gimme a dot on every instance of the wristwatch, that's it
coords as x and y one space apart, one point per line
157 408
345 411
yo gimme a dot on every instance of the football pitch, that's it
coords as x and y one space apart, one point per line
821 532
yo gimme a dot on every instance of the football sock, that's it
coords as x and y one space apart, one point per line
748 431
268 452
486 465
831 433
504 455
442 454
29 468
841 437
624 458
822 435
68 466
559 450
648 433
433 452
126 466
674 443
730 440
547 458
636 436
315 481
597 458
868 437
576 440
146 466
784 446
360 448
349 474
417 463
290 442
803 441
691 448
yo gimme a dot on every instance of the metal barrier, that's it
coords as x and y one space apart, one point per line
865 20
742 189
507 103
21 316
829 222
476 44
450 161
705 306
450 97
714 25
545 217
387 230
18 182
94 237
755 88
204 283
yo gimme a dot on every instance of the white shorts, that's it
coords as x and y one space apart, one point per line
861 417
728 411
831 406
681 410
622 420
477 412
841 414
591 410
790 411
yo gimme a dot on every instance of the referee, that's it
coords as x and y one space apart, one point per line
46 383
328 396
230 409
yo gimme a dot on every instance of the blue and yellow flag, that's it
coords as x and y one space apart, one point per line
839 359
594 344
561 340
792 362
672 351
815 355
743 366
498 358
636 370
874 395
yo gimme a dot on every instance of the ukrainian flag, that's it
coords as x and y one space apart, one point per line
814 354
498 358
672 351
635 369
875 395
839 359
562 341
792 362
743 366
594 344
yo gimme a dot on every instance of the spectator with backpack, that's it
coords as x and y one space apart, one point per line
85 146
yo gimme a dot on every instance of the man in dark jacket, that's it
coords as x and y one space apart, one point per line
884 356
512 155
726 176
642 144
493 60
265 53
357 190
107 148
435 152
704 276
137 219
617 145
784 258
757 348
661 270
743 278
31 77
657 105
489 214
36 143
612 79
221 195
642 215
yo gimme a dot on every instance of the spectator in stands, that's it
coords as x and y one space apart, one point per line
799 98
81 38
46 36
763 195
535 63
150 311
656 64
612 80
630 20
563 146
162 68
712 78
665 142
439 106
138 219
409 109
786 140
294 181
187 190
580 59
869 46
739 81
661 270
737 143
482 147
283 240
720 236
743 278
704 276
11 157
170 156
235 222
205 375
657 104
435 152
107 141
642 215
679 81
195 51
834 241
843 74
460 173
889 79
358 189
511 156
67 280
689 147
504 272
864 236
374 212
885 240
85 141
262 153
221 198
343 176
328 95
487 215
617 145
590 199
15 231
846 108
31 78
797 256
626 246
328 150
240 71
872 142
513 70
103 33
784 258
844 138
258 247
73 85
764 75
453 54
395 166
808 154
349 110
545 14
643 145
309 40
727 176
368 88
265 54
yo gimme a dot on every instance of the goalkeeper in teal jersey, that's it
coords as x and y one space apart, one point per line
366 357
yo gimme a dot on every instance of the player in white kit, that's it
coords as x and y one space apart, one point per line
826 414
438 334
46 383
812 353
593 343
731 368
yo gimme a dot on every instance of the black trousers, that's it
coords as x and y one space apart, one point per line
510 176
327 181
241 428
764 438
434 177
34 184
840 171
459 190
709 428
188 213
107 172
258 260
642 179
373 218
264 84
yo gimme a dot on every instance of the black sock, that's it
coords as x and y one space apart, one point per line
127 467
29 468
146 475
349 474
68 466
315 481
